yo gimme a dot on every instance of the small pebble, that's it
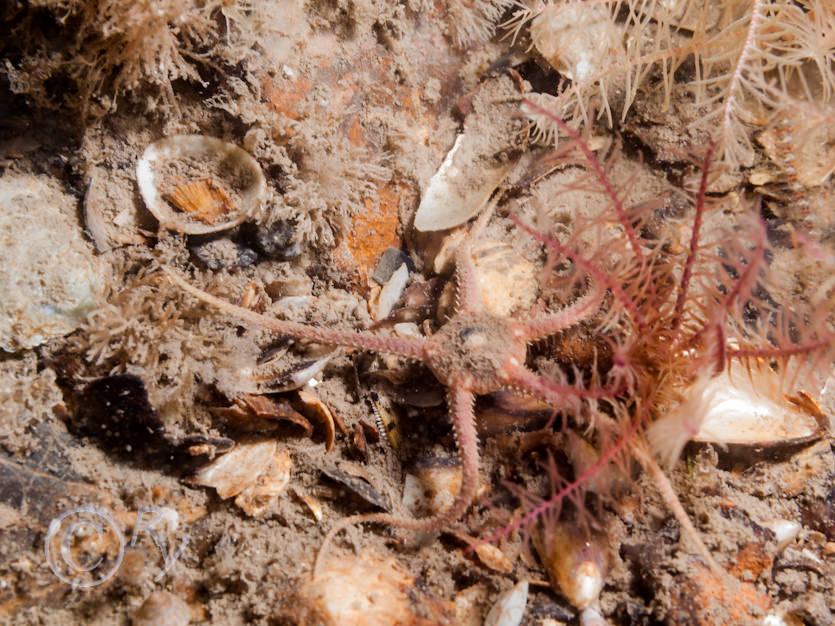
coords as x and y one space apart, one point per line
162 609
275 241
389 261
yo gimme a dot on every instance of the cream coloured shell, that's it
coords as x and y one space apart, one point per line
185 163
579 41
507 281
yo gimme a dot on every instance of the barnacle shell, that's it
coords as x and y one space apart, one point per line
195 184
575 561
579 41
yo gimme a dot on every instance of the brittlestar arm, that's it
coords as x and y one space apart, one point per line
559 396
545 325
460 401
401 346
468 298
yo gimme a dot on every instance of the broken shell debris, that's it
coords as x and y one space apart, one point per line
489 555
163 608
301 374
509 608
253 413
319 411
252 472
312 504
195 184
785 531
391 293
358 483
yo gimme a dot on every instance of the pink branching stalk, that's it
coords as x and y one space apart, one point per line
674 322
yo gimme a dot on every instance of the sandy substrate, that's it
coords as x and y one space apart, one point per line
349 108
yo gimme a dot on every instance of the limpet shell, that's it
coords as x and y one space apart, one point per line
195 184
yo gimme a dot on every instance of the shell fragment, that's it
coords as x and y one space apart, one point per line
195 184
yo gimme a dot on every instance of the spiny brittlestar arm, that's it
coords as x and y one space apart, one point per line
546 325
364 340
467 296
460 401
557 395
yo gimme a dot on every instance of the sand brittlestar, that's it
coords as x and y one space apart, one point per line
474 353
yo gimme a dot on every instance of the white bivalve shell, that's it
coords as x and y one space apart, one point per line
461 186
195 184
737 408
